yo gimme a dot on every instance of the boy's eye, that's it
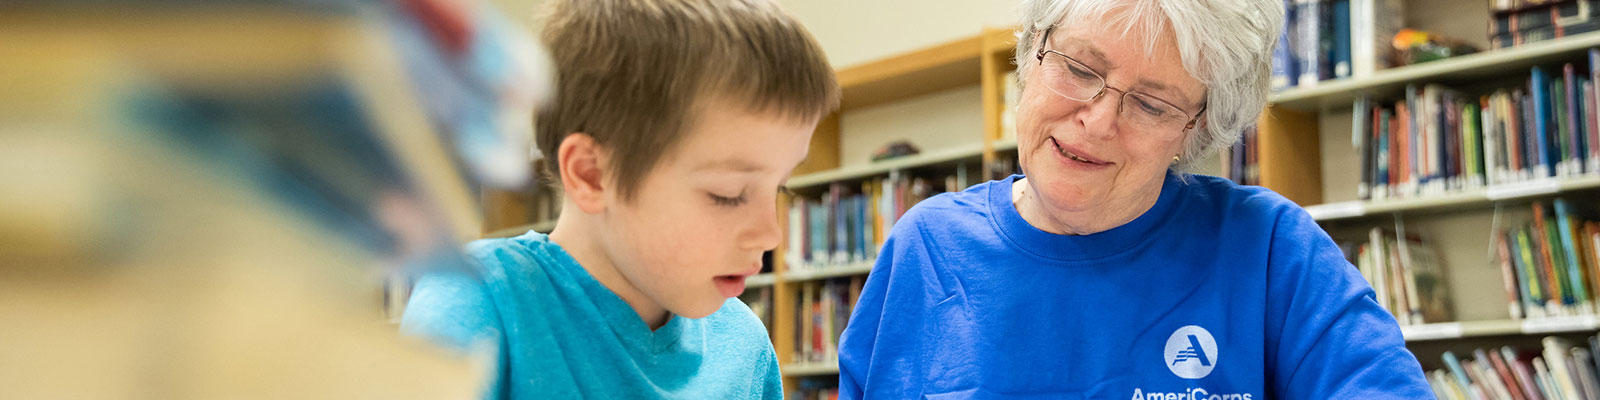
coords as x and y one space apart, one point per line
727 201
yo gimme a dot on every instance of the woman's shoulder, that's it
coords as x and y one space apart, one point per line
1224 195
950 210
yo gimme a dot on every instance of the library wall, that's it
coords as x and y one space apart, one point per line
938 121
853 31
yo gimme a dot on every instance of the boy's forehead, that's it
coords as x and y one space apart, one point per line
733 162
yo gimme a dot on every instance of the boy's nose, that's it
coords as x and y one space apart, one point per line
765 233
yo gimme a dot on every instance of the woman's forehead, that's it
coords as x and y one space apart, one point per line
1160 66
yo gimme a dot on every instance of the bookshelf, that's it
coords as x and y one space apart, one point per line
1460 224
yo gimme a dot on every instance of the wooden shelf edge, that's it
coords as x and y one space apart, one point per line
1481 196
974 150
810 368
760 280
1472 329
819 273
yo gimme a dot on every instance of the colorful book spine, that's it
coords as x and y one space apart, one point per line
1539 88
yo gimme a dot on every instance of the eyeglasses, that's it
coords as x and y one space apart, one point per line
1074 80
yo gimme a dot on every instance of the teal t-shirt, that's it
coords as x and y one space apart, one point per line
561 334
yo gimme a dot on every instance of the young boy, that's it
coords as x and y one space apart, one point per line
674 124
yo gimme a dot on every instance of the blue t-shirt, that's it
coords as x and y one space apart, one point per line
560 334
1217 292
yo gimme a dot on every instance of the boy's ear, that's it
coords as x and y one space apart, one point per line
582 164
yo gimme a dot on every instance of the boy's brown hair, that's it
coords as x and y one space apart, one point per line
633 74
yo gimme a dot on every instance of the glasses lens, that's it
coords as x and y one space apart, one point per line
1069 78
1151 115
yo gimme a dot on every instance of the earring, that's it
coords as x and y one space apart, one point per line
1174 159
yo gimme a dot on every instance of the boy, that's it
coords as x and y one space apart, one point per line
673 126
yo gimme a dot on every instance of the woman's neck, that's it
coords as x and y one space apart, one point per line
1112 214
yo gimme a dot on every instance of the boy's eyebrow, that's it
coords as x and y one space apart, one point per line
732 164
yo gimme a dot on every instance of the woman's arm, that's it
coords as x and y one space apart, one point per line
880 350
1326 336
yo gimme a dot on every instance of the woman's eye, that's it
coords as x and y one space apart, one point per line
727 201
1080 71
1149 108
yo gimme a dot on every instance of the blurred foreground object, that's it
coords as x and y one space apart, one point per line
205 201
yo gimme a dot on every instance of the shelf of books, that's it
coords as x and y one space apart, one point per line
1464 187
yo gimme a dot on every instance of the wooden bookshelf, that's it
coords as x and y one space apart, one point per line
925 71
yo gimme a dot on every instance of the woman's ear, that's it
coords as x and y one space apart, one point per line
582 163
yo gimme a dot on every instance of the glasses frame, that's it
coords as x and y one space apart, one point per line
1104 84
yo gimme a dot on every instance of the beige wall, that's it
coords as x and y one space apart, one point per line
857 31
520 11
852 32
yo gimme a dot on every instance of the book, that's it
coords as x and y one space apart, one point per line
1341 39
1513 385
1307 43
1542 117
1555 355
1362 139
1508 273
1285 67
1524 374
1572 260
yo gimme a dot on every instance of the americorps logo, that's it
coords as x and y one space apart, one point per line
1191 352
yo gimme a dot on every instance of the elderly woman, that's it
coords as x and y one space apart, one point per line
1106 272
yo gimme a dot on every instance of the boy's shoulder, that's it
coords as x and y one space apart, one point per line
531 255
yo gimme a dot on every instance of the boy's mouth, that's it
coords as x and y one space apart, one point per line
730 285
733 284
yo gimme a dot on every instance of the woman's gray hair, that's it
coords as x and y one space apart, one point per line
1225 44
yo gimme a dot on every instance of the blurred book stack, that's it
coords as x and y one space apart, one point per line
208 201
